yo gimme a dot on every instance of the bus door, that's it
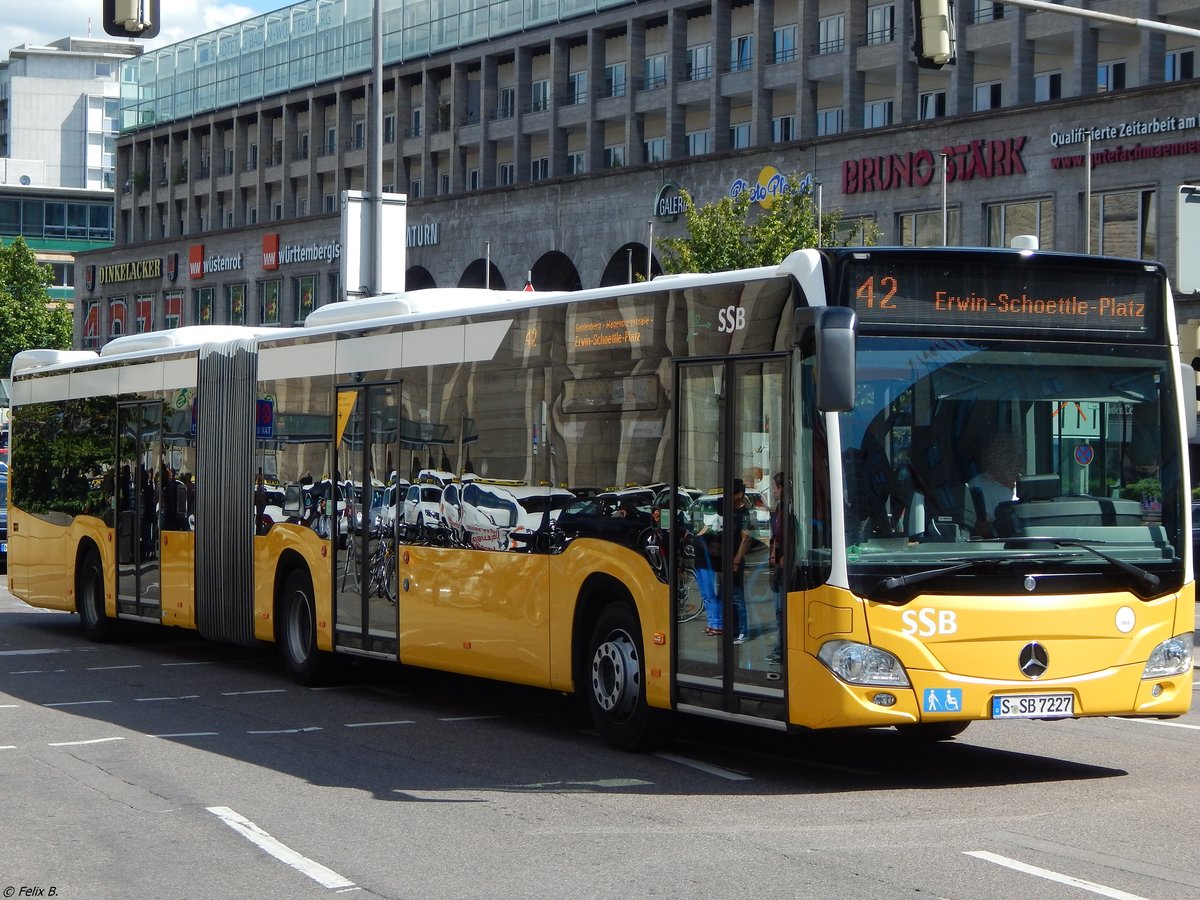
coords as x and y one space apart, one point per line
365 589
731 444
139 478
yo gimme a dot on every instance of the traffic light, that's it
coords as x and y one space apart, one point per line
934 21
131 18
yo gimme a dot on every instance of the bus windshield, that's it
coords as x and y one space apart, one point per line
975 453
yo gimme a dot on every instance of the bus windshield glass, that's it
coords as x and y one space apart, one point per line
982 455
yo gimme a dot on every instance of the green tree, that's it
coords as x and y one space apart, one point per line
734 233
28 316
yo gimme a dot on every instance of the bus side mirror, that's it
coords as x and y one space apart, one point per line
835 327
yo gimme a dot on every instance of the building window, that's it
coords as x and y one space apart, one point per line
576 162
539 169
576 88
614 80
235 304
831 34
389 128
881 24
1124 224
506 173
444 183
699 63
785 44
741 53
783 128
269 293
143 307
987 95
91 325
655 149
924 229
829 121
877 113
656 72
331 203
1180 65
1047 86
931 105
506 103
699 143
203 307
614 156
116 317
739 136
539 96
415 130
986 11
1110 76
414 189
301 206
472 179
1006 220
305 296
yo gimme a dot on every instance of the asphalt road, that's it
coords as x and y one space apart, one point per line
164 766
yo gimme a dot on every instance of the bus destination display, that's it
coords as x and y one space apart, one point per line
1103 301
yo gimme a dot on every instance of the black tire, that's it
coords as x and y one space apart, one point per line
614 683
931 732
298 630
89 598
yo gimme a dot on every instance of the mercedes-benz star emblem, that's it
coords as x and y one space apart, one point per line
1034 660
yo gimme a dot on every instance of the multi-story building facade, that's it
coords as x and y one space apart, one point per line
59 105
547 139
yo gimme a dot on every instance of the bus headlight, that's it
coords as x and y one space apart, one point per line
1173 657
862 664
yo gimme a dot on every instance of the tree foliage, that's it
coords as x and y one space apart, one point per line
27 317
736 233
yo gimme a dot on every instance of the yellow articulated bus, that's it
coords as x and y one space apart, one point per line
866 487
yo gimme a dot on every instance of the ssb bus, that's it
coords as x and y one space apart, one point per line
871 381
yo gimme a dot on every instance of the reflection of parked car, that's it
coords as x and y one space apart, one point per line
499 516
421 509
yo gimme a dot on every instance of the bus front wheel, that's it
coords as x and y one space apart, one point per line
89 598
615 688
298 630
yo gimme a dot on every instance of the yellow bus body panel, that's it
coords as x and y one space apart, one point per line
41 569
494 614
178 556
284 538
972 644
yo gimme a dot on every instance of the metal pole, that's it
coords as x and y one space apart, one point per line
1087 199
650 252
629 265
487 265
376 186
945 223
820 239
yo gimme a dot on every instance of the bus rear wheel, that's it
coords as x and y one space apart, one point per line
615 689
89 598
298 630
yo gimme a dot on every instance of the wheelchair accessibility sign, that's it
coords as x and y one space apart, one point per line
941 700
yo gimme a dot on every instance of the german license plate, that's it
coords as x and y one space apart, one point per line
1033 706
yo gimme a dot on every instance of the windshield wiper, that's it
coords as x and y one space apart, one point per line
1144 577
899 581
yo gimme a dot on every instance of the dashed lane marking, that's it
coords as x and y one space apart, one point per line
1049 875
324 876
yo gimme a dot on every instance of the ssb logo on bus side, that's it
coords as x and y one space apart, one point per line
928 622
730 319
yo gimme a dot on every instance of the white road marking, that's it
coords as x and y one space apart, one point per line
323 876
34 652
727 774
288 730
156 699
81 743
9 747
1158 722
10 706
107 668
248 693
373 724
1049 875
183 734
77 703
208 663
468 718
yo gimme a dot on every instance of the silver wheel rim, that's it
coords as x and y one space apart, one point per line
299 629
616 675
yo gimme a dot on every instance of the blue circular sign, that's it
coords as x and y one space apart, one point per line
1084 454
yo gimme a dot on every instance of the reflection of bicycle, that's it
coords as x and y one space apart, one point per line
381 568
689 602
350 566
